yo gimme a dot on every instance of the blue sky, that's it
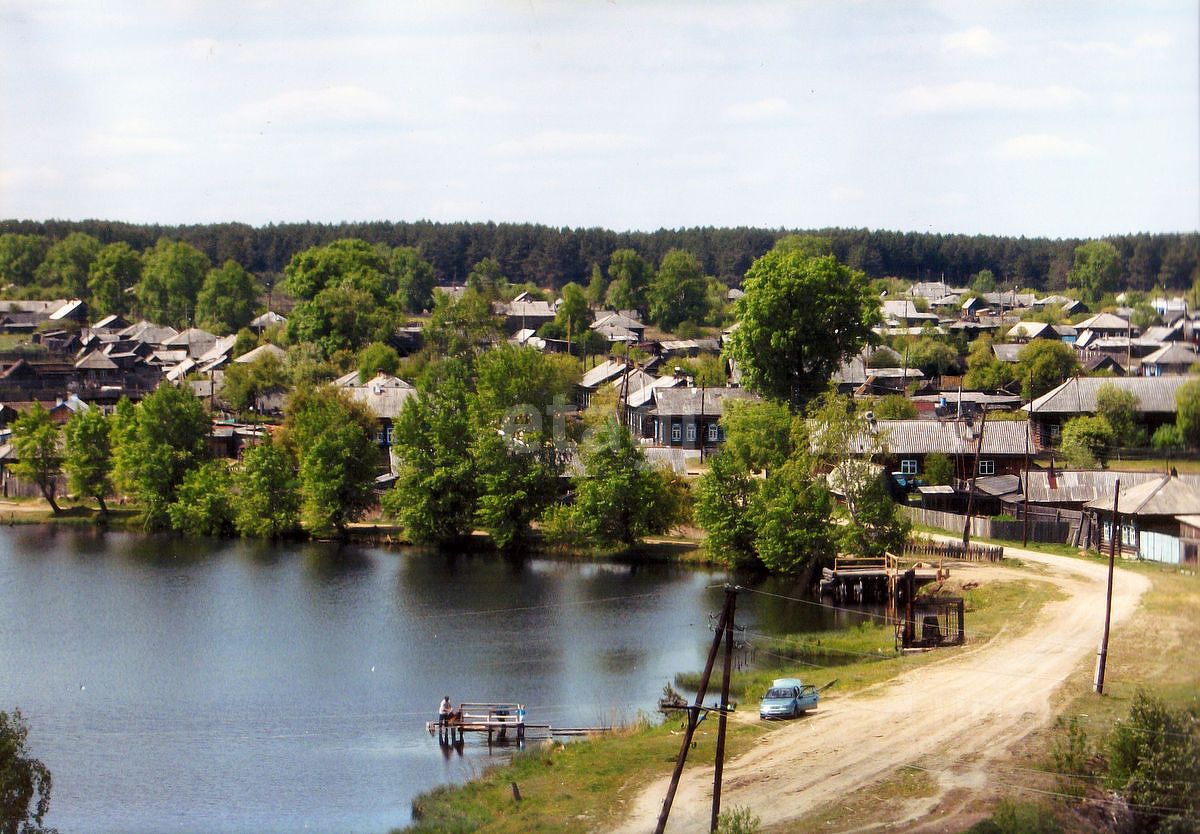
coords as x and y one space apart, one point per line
1035 118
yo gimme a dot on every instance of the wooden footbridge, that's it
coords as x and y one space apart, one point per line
876 579
501 723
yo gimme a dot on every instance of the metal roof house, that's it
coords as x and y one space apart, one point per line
1155 403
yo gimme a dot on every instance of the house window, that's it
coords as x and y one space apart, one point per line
676 433
691 431
908 467
713 434
987 467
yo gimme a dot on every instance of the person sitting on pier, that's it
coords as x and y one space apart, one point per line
445 711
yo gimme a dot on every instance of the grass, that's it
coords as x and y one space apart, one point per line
1160 465
886 796
586 786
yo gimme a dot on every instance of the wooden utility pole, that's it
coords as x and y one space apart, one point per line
1114 534
719 767
971 486
694 711
1025 486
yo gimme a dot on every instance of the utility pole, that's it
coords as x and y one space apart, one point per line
1114 533
971 487
1025 486
719 767
694 711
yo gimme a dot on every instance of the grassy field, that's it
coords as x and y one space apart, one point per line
584 786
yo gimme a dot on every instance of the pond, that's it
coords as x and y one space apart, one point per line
226 686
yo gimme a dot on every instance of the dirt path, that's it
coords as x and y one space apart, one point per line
975 704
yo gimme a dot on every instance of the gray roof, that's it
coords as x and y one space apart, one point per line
96 361
1104 321
1027 329
261 351
671 402
1162 495
1173 353
1007 353
645 394
267 319
383 401
668 457
608 317
1155 394
950 437
1082 486
598 375
20 305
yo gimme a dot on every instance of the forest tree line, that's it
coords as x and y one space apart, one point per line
551 256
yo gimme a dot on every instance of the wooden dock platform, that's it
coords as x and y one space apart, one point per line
875 579
500 722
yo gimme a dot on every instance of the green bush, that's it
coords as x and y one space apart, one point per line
1149 754
1167 437
939 469
738 820
1017 818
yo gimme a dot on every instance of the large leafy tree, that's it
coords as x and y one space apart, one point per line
227 299
459 327
620 498
89 460
1095 270
25 782
1119 408
679 291
20 256
172 274
158 445
332 439
36 443
348 260
1187 412
268 498
725 496
436 478
1045 364
65 267
629 275
203 506
790 516
414 279
115 270
377 358
800 318
245 382
758 434
574 315
985 371
1087 441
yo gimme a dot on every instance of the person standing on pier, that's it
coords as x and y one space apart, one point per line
445 710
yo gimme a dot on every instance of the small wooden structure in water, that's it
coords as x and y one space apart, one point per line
876 579
502 723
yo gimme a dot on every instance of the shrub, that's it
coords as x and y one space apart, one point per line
1148 754
1086 441
738 820
1167 437
939 469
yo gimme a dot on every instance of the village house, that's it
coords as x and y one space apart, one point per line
690 417
907 444
1155 404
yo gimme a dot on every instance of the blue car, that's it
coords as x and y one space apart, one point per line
788 698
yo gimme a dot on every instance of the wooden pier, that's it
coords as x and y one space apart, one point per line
876 579
501 723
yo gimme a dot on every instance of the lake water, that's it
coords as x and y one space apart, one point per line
210 686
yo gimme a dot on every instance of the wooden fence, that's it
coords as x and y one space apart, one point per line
954 550
1040 530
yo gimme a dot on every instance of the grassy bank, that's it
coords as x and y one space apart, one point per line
586 786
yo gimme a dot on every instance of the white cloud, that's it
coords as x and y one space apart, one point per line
483 105
30 176
328 104
568 143
132 137
763 110
977 41
976 96
1038 146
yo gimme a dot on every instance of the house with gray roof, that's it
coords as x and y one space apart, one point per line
1172 358
907 443
689 418
1155 403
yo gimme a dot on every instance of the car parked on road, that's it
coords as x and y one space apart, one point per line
788 698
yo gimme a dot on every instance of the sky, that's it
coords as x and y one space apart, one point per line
1021 118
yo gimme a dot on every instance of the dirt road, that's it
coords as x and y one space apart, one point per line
963 712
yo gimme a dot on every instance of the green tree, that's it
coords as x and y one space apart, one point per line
36 444
88 460
341 317
158 446
116 269
932 357
25 782
725 496
984 371
487 278
597 287
984 281
619 498
1167 438
574 315
377 358
758 434
801 317
1119 408
436 487
267 503
244 383
1048 363
20 256
939 469
227 299
203 506
629 275
1086 441
678 292
332 439
414 279
66 265
346 262
172 274
1096 269
894 407
1148 754
459 327
1187 412
790 515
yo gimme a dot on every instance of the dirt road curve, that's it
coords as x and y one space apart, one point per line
951 716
